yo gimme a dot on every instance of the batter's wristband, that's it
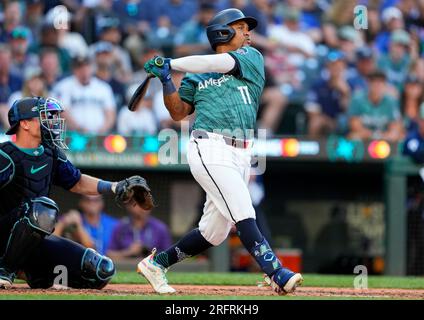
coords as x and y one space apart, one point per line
104 187
168 87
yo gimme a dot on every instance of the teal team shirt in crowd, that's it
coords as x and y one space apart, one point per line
226 103
374 117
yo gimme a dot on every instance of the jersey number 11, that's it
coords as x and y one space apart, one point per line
245 94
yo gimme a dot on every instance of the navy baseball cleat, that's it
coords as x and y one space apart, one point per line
284 281
6 278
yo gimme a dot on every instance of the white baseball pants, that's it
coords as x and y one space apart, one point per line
223 172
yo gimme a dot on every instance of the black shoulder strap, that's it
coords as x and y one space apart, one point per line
6 148
52 152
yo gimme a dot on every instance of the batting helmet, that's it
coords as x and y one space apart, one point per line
218 29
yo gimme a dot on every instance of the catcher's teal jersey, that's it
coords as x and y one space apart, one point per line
227 102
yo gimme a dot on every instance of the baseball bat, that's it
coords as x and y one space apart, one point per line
141 90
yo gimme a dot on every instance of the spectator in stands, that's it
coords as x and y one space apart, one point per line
410 10
89 102
312 12
397 62
414 142
131 13
374 25
365 64
417 68
339 14
178 11
140 122
11 19
272 106
288 52
50 68
34 16
162 37
21 59
9 83
137 20
260 10
109 31
90 225
149 13
138 234
191 38
105 65
297 44
33 86
70 225
329 98
392 19
73 42
349 41
50 39
412 97
374 114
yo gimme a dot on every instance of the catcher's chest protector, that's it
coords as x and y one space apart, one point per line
32 177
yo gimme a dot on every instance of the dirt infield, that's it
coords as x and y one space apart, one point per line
132 289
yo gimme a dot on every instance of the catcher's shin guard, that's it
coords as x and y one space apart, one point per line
38 219
96 270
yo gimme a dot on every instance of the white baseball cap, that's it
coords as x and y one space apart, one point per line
391 13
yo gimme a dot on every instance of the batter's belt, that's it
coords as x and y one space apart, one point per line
231 141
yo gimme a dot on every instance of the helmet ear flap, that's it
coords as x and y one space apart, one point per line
219 34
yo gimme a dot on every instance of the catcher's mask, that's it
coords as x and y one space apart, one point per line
48 111
53 126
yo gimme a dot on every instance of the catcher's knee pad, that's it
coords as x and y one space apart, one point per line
38 218
41 214
97 270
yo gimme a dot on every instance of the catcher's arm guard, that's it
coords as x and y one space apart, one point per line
136 189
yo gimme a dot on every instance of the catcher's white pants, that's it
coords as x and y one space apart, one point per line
223 172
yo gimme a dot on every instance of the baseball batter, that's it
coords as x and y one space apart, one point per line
224 89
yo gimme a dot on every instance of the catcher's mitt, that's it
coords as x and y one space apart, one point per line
134 188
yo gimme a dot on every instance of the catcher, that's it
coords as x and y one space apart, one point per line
28 168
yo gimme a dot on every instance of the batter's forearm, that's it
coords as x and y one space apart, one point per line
222 63
176 107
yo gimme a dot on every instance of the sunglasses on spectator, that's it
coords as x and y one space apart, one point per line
19 34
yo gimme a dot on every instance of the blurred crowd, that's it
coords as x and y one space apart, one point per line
133 236
326 74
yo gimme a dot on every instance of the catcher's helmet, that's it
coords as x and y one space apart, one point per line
47 110
218 29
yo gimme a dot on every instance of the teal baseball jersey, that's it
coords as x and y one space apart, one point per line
374 117
224 102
